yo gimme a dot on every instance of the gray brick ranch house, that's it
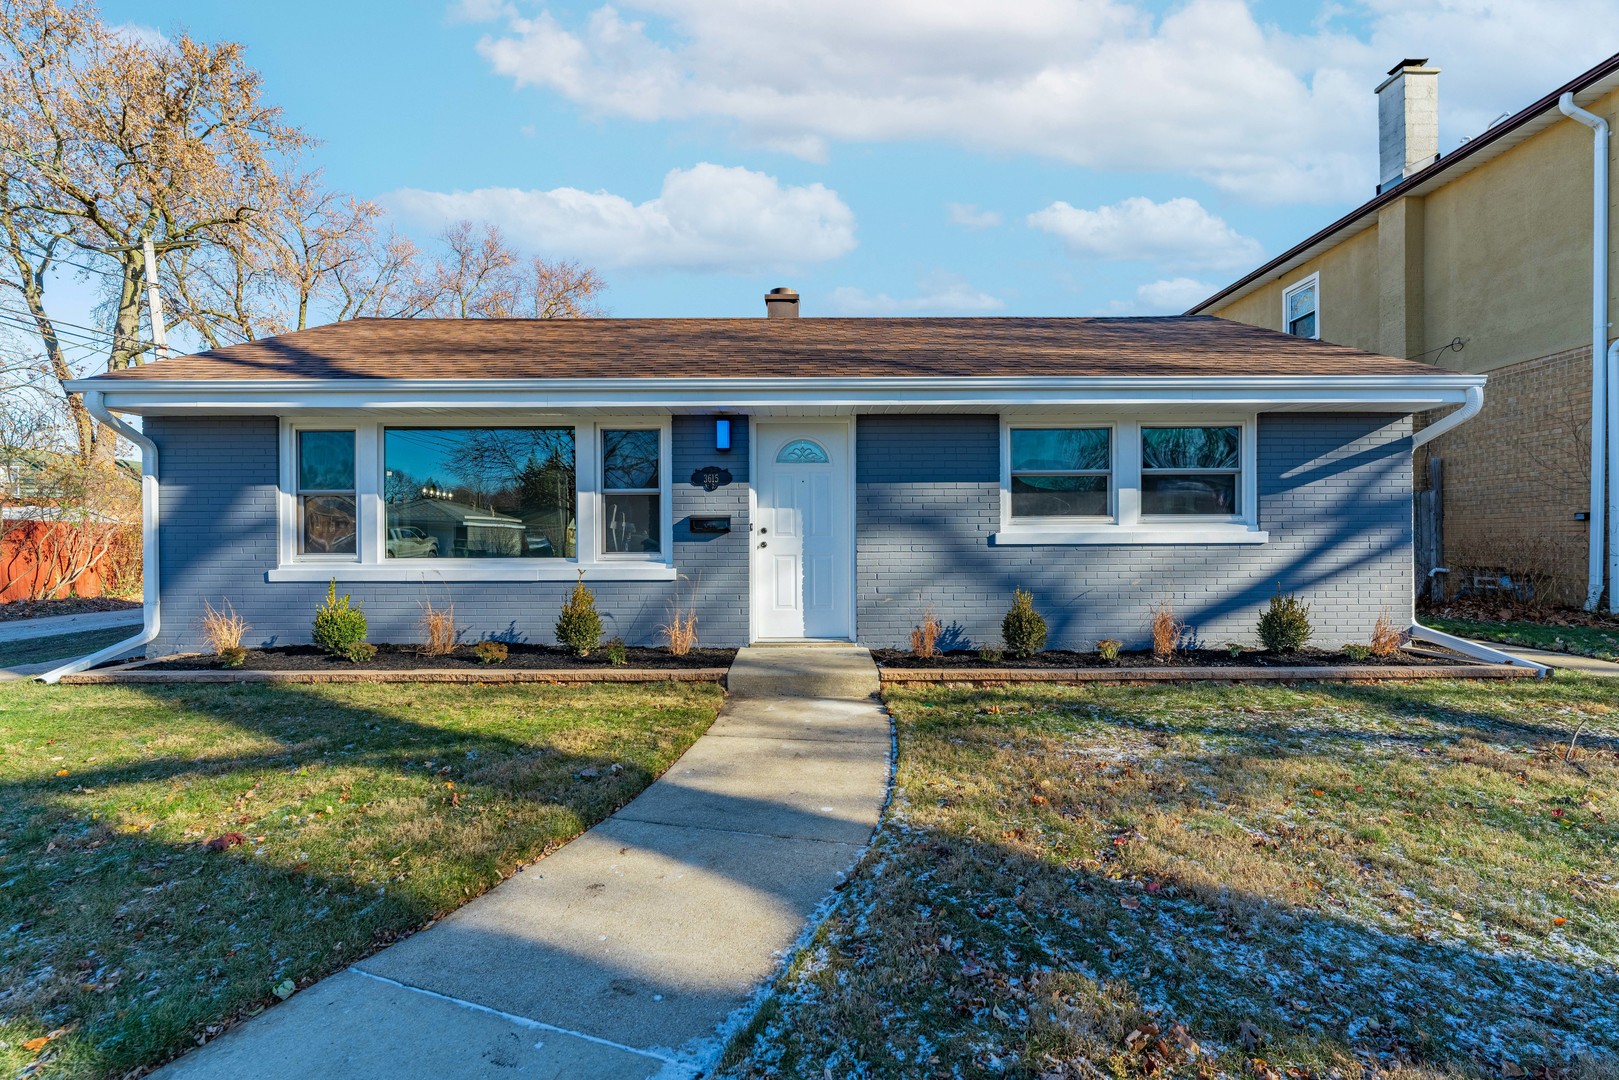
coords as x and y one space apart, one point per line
792 478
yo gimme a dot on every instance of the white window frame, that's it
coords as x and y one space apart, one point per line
1127 525
1313 281
1242 472
371 563
664 490
1112 430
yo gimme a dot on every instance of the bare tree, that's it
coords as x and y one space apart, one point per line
107 140
479 275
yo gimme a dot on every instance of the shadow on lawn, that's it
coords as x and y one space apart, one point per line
138 944
982 924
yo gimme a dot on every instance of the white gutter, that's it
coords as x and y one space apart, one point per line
1604 381
1473 402
1470 408
149 569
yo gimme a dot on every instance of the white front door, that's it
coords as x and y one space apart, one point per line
803 550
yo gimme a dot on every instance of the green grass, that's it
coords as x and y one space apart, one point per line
60 646
1245 881
364 812
1599 642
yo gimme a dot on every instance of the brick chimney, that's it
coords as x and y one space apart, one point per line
1407 121
781 303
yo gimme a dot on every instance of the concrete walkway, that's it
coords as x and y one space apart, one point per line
634 950
53 625
1585 665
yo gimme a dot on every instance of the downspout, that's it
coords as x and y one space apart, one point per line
1471 405
149 571
1604 381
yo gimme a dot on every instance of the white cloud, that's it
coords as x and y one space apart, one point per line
938 294
1206 89
142 34
1176 234
1170 296
479 11
969 216
708 217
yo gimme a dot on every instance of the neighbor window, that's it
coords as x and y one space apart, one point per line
327 523
1191 471
1300 307
631 485
1061 472
479 493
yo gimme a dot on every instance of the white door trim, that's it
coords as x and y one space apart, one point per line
755 438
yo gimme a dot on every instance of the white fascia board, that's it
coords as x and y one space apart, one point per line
1399 393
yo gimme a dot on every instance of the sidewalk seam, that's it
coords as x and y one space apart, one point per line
621 816
525 1021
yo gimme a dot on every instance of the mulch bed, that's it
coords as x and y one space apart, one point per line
409 658
76 605
1061 659
1497 611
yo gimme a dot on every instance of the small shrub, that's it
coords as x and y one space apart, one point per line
438 629
1023 629
579 627
1359 653
232 656
223 629
1167 632
1284 627
1108 650
1233 649
338 625
925 638
1386 637
361 652
991 655
617 654
491 652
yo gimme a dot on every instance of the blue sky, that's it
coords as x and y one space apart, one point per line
1042 157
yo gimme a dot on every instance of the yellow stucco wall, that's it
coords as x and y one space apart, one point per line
1504 262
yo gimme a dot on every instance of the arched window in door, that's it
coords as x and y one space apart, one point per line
803 452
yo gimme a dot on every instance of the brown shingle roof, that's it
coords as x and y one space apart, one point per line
772 348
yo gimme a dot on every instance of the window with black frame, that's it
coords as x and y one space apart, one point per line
1061 472
632 499
480 493
1191 471
327 522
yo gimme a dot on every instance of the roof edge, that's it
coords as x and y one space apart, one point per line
1580 82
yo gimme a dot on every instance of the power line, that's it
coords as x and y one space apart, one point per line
27 318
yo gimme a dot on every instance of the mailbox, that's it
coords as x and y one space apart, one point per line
711 524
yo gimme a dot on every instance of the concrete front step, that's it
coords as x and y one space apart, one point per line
825 671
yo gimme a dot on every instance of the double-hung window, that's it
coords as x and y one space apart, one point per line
1301 304
1191 471
328 521
1061 472
632 493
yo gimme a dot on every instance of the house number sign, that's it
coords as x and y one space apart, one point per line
710 477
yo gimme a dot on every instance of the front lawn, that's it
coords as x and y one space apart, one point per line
1314 882
173 858
1599 640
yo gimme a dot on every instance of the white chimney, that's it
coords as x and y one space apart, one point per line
1407 121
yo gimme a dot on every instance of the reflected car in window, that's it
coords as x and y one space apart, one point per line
409 542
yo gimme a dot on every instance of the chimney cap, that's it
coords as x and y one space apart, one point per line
781 303
1409 62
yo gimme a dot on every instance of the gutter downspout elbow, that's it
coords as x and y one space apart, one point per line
1604 376
1471 406
149 565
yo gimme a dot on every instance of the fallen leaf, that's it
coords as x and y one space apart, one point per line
284 989
61 772
1038 800
1250 1035
1129 903
1559 921
226 841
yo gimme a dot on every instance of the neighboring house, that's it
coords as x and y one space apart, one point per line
1479 260
788 478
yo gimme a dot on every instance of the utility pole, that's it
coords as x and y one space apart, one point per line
154 301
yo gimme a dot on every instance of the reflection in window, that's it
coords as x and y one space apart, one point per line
479 493
326 518
631 514
1301 306
1061 472
803 452
1191 471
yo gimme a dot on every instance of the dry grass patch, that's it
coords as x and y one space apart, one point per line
341 817
1327 882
